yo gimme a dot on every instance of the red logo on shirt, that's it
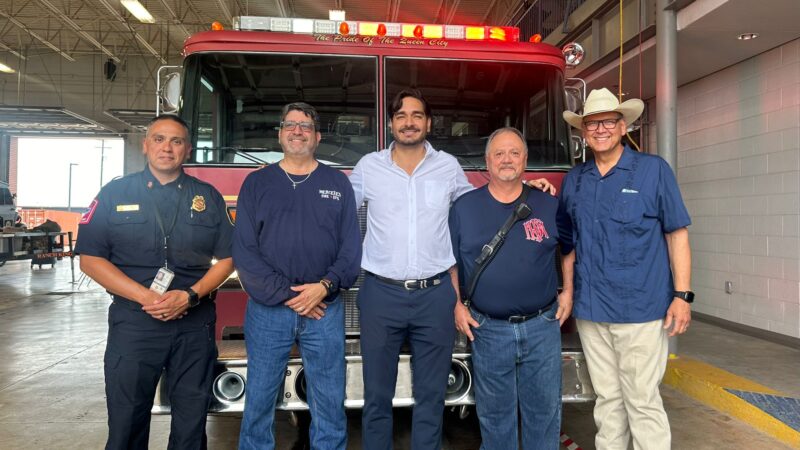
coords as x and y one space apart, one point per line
87 216
535 231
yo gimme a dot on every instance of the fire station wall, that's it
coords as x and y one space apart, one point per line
134 159
739 172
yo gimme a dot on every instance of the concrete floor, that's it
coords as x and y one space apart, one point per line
52 337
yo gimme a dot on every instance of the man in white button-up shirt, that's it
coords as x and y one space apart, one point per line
407 293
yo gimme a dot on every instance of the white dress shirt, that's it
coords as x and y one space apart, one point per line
407 234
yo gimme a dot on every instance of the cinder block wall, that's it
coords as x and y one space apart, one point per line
739 171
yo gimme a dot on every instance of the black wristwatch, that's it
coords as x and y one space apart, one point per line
328 285
687 296
194 299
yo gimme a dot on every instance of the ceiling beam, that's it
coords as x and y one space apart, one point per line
175 18
12 51
138 37
449 19
34 35
225 11
71 23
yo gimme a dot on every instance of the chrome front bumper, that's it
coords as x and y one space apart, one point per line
228 392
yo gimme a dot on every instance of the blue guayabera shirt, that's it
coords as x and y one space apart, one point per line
618 222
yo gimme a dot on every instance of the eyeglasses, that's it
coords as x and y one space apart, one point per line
608 124
290 125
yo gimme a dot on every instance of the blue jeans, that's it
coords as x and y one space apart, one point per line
518 368
270 332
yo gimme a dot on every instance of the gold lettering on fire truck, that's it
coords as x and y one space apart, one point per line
370 40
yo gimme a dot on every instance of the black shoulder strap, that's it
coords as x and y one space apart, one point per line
521 211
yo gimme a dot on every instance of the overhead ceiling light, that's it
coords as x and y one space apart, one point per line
6 69
138 10
747 36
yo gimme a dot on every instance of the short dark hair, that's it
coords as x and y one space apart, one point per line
304 108
397 103
172 117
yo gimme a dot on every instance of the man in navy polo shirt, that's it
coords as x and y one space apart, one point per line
632 272
514 317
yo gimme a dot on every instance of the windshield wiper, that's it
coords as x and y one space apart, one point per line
242 151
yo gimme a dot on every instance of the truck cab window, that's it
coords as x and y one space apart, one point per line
240 96
470 99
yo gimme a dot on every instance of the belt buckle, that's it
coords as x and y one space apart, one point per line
407 283
516 319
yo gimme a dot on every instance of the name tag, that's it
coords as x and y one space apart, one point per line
629 191
126 208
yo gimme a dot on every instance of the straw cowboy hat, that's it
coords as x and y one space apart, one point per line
601 101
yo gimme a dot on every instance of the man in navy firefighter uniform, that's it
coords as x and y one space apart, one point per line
159 224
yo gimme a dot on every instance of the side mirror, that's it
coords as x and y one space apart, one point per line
578 147
169 91
573 54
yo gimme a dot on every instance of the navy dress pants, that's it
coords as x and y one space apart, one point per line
139 348
389 315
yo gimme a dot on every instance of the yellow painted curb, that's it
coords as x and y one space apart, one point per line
707 384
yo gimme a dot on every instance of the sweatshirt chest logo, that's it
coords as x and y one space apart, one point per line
535 230
331 195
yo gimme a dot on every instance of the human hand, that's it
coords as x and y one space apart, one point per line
564 307
172 305
464 320
543 185
309 302
678 317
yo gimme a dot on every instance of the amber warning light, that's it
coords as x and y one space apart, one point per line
381 29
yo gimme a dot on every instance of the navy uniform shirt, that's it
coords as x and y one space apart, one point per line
617 223
289 236
522 278
121 227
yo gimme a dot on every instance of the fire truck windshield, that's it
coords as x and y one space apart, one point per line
232 102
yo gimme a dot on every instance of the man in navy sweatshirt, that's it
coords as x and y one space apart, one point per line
296 243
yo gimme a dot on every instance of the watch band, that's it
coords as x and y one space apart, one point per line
328 285
687 296
194 298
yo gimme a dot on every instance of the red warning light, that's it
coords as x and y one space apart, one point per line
497 33
217 26
418 31
536 38
344 28
381 30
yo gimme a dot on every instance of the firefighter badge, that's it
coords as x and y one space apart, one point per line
198 203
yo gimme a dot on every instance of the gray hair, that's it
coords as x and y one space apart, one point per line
500 131
304 108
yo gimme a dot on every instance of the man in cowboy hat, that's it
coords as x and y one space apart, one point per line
632 263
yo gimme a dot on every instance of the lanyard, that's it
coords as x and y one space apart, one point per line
166 232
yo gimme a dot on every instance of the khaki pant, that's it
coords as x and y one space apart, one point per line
626 362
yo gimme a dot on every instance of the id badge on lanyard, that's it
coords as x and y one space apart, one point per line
165 276
162 280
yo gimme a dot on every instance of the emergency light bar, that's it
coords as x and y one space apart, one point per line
379 29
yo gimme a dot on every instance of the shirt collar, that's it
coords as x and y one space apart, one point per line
625 161
150 180
387 154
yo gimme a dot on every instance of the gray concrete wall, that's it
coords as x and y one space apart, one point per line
739 171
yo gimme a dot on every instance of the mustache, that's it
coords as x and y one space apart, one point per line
412 128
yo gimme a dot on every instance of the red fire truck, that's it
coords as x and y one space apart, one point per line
233 84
